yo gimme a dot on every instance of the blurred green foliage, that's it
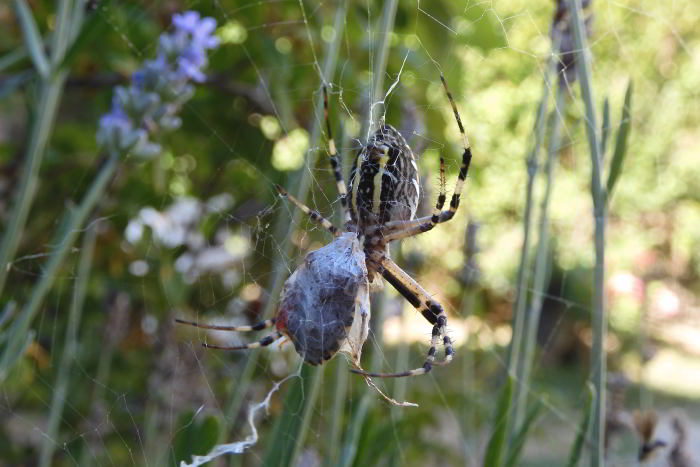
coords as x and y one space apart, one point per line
137 382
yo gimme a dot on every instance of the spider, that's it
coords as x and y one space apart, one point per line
324 305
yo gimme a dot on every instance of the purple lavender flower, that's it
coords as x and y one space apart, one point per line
200 30
115 127
114 120
196 35
158 90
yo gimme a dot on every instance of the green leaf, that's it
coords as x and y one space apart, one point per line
620 141
605 129
378 439
521 436
291 426
497 443
194 436
577 447
354 431
32 38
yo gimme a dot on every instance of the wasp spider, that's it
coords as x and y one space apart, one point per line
324 303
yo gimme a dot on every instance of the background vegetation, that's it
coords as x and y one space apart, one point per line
105 377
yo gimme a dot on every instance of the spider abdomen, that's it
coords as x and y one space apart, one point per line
384 183
320 301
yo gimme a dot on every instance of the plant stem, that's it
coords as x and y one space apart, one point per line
70 348
314 388
598 357
380 60
368 398
289 432
355 430
338 410
285 226
66 238
542 254
386 25
45 113
519 306
340 395
51 88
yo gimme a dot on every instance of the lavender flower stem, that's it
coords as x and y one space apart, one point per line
529 320
519 306
66 239
542 252
51 88
284 226
598 357
41 130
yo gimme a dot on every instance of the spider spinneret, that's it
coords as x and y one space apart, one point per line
324 305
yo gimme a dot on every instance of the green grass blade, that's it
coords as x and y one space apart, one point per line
339 402
32 38
193 436
355 430
497 444
577 447
620 141
518 442
289 432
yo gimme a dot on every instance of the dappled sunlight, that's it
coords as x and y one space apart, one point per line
472 332
675 372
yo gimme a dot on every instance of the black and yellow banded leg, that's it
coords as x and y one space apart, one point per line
397 230
255 327
335 162
314 215
443 194
429 308
264 342
403 229
466 156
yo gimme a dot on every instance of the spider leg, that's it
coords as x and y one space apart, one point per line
264 342
255 327
314 215
429 308
335 162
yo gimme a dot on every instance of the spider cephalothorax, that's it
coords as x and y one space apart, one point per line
324 306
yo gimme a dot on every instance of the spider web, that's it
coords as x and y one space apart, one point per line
220 266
